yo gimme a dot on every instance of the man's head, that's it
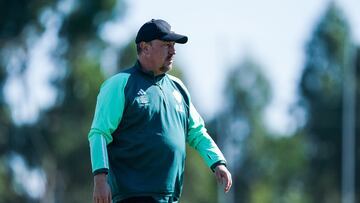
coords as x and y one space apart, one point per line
155 45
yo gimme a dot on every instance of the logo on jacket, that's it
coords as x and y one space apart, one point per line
178 97
142 98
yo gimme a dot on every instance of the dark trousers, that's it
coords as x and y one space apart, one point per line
138 200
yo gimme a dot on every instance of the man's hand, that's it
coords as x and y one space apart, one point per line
102 192
223 176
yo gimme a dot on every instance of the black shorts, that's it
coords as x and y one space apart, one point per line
138 200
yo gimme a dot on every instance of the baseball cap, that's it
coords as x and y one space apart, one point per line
158 29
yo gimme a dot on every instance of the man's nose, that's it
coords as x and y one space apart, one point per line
172 50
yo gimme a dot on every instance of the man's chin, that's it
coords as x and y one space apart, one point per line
165 69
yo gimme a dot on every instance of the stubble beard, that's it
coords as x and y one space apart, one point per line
165 68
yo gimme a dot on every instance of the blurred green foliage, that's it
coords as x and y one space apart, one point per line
301 167
327 54
57 142
265 167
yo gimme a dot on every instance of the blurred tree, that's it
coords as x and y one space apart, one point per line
17 14
321 88
246 92
265 167
64 129
357 125
7 193
57 143
128 56
4 116
199 181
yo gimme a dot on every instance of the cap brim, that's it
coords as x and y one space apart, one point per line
181 39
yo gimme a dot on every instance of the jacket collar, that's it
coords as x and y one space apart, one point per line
147 72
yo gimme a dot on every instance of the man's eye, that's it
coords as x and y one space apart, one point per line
169 44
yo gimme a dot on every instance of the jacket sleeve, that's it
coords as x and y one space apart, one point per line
108 113
199 139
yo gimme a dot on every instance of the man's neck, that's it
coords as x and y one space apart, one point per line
147 67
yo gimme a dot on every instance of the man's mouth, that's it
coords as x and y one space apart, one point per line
170 58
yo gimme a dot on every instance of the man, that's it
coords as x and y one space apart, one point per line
143 118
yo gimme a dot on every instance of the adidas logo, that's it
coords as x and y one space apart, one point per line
141 92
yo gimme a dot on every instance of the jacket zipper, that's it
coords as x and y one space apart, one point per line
161 89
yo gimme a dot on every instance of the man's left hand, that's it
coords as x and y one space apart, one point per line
223 176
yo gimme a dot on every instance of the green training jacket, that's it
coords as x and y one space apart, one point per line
139 131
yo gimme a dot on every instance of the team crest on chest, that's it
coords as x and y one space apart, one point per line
142 98
178 97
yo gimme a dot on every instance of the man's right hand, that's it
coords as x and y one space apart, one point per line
102 191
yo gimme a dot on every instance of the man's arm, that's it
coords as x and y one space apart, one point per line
200 140
108 113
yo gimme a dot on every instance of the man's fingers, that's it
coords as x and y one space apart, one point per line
227 187
228 183
223 177
109 199
103 199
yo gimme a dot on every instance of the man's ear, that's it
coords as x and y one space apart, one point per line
145 47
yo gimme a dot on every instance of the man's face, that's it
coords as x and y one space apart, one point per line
162 54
